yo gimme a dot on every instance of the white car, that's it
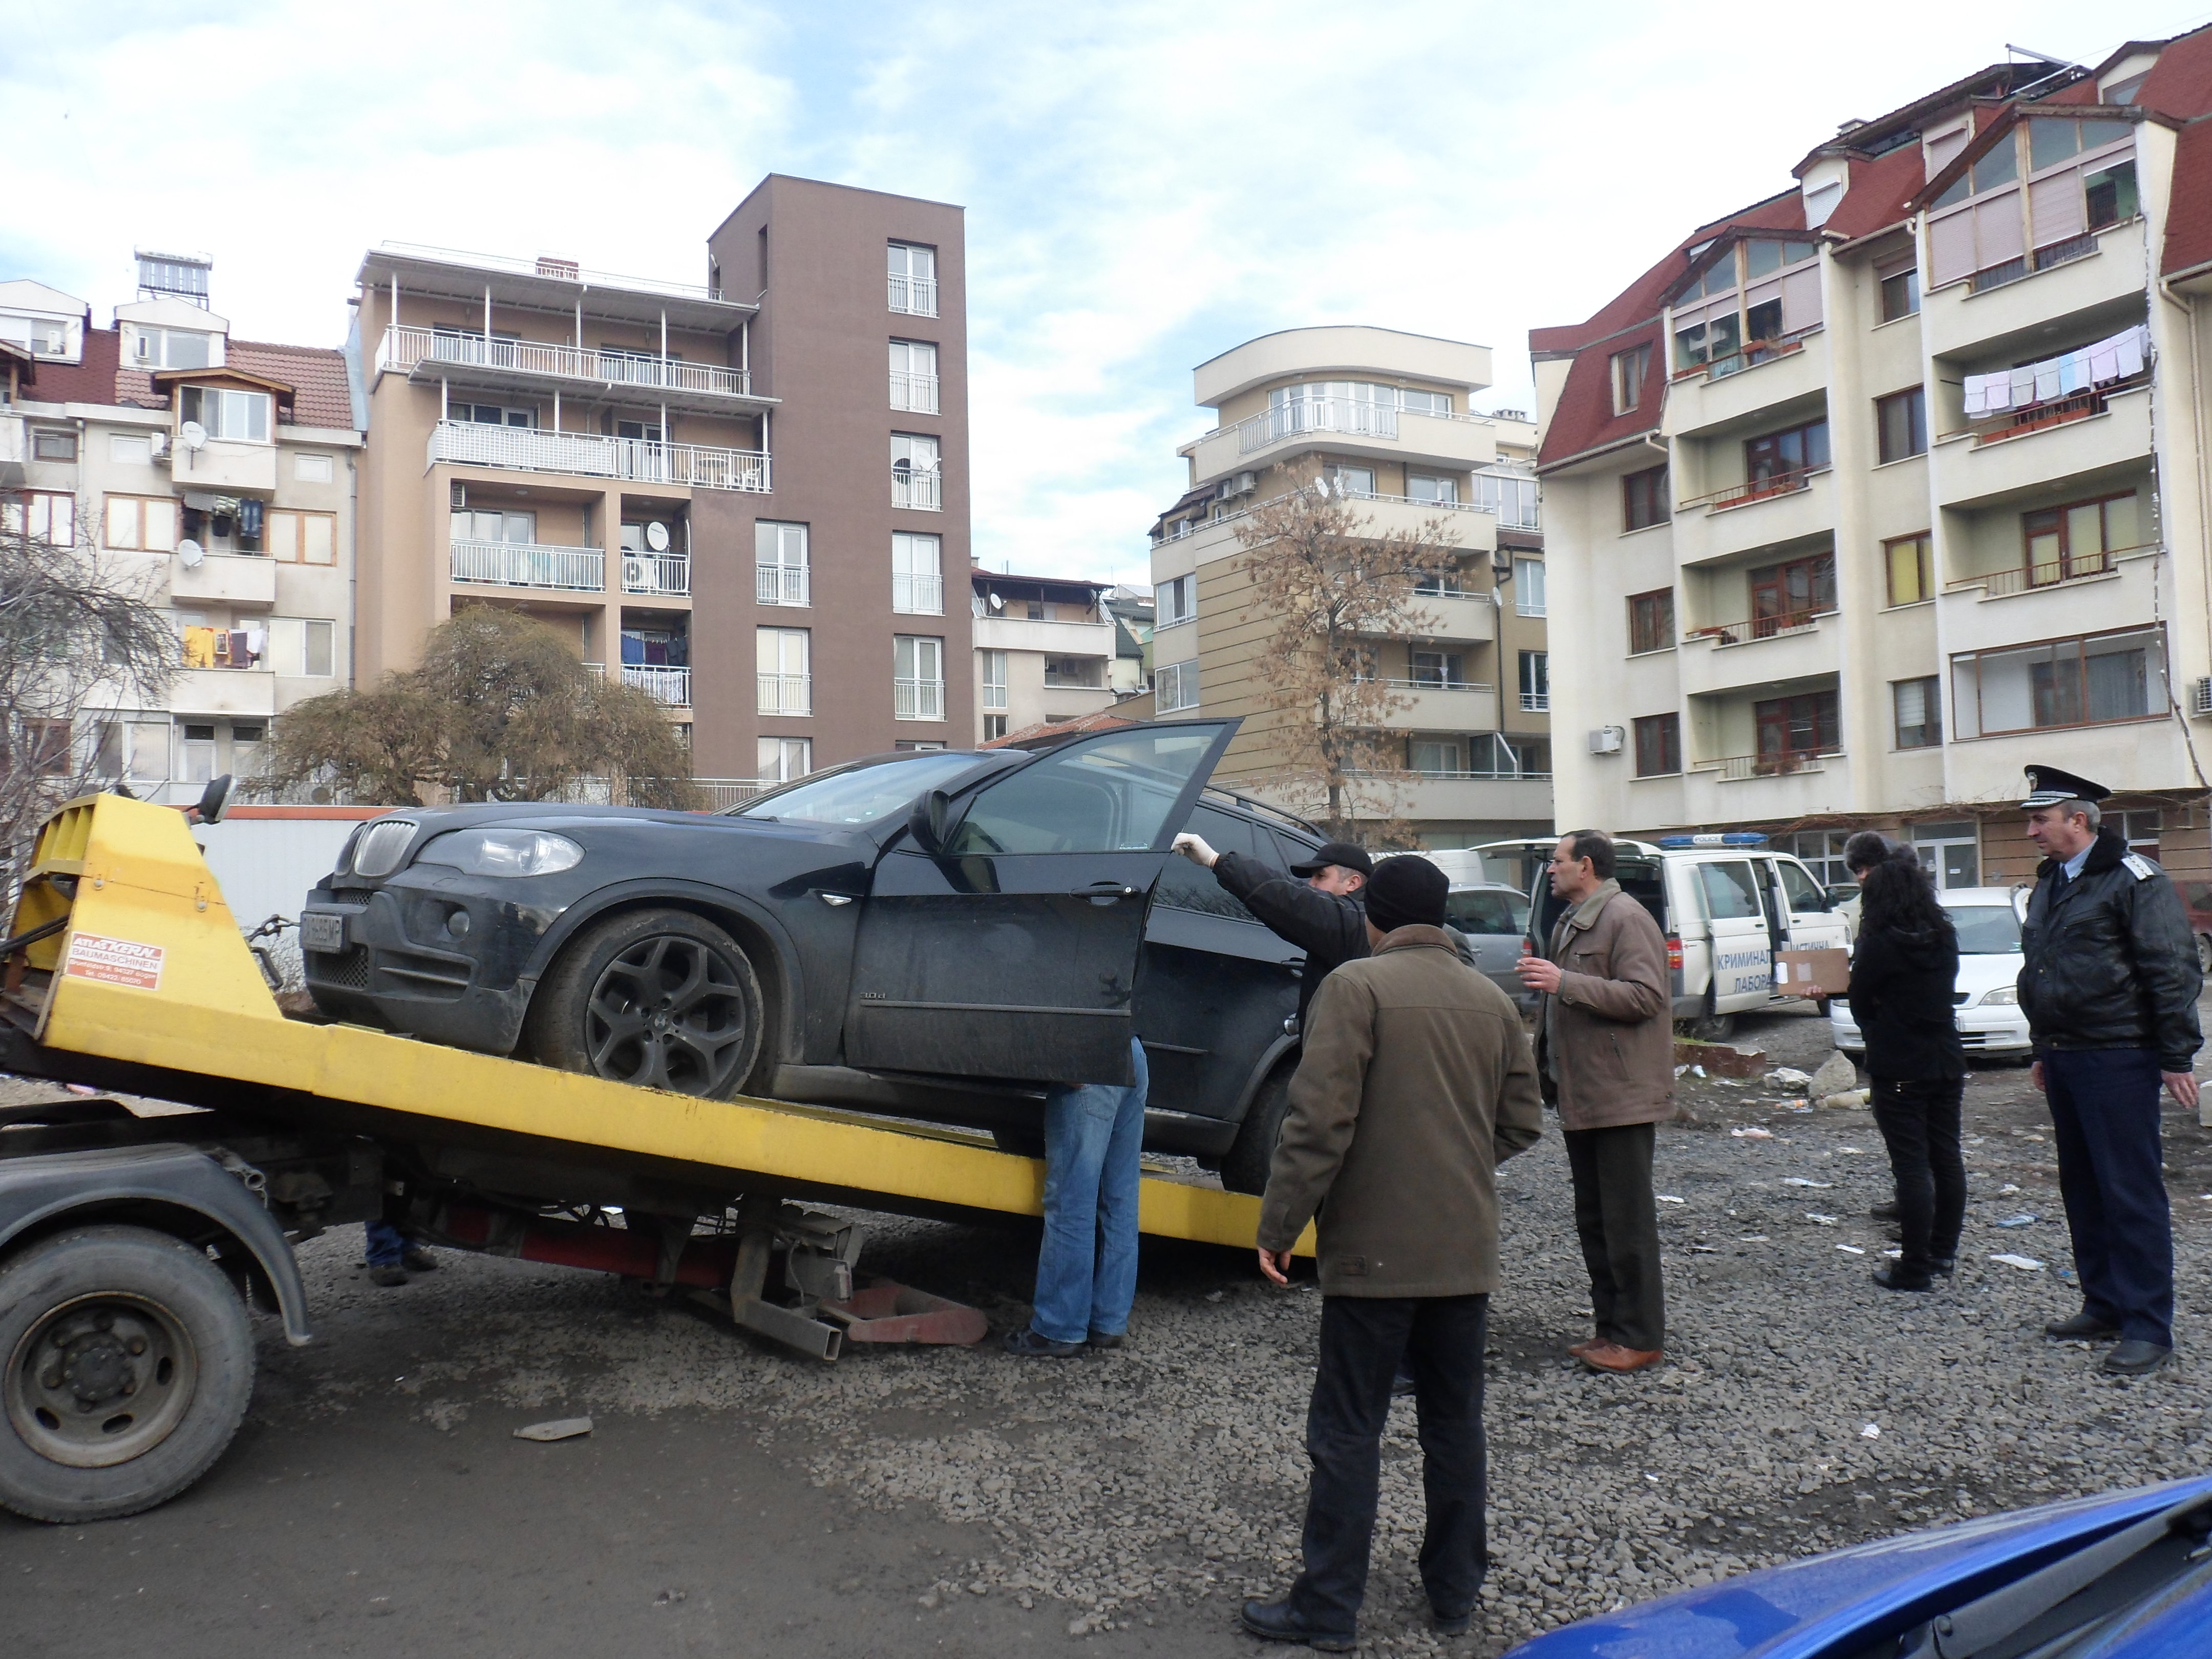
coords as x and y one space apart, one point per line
1989 1014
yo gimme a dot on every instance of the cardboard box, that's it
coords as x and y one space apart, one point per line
1797 972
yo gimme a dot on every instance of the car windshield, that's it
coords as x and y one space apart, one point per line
1487 910
1985 930
862 794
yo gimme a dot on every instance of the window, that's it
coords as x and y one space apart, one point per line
1535 682
994 679
1725 321
147 522
785 683
917 580
1821 851
502 415
1436 758
1445 583
1805 724
1176 687
1952 852
782 760
917 677
312 468
47 747
1643 499
135 751
780 570
2108 197
300 645
43 515
1900 293
1441 669
126 450
1910 562
169 348
1650 621
1780 460
913 376
916 481
638 432
1791 594
49 444
2139 829
917 746
1531 756
913 279
1512 497
494 524
995 727
2087 681
1901 424
228 413
1076 673
1731 890
1658 745
1424 403
1529 587
307 537
1352 480
1919 707
1630 369
1193 888
1444 491
1178 600
2078 538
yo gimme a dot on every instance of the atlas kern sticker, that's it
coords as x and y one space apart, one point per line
116 961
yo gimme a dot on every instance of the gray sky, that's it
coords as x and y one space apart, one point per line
1146 184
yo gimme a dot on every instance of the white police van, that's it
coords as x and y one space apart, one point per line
1726 902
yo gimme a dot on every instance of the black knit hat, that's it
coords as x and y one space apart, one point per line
1406 891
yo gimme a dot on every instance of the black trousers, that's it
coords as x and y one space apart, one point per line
1619 1221
2103 1107
1919 1122
1362 1339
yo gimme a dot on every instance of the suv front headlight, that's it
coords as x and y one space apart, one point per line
2004 995
503 852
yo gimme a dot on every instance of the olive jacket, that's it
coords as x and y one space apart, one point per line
1415 1085
1607 1036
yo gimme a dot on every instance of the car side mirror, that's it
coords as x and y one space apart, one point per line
930 823
213 799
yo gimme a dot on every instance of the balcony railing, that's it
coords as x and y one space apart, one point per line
672 686
786 694
2011 271
914 296
780 584
589 454
1535 702
914 392
656 573
919 596
1735 767
1755 352
1760 628
407 345
918 700
530 565
1439 684
2040 417
2057 574
1757 489
565 270
912 487
1094 681
1287 420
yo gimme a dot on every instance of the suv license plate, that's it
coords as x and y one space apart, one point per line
322 931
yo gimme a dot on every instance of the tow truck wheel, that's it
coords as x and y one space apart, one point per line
658 998
1244 1166
130 1362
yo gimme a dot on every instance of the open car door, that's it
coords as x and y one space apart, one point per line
1009 950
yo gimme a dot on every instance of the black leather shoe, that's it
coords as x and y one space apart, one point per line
2136 1358
1884 1212
1276 1621
1449 1624
2084 1326
1029 1343
1898 1277
1107 1338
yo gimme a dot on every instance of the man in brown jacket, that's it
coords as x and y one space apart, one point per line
1606 1049
1415 1084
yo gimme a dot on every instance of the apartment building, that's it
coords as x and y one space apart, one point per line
1380 417
218 472
740 495
1045 651
1131 609
1869 494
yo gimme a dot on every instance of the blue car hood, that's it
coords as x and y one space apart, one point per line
1829 1605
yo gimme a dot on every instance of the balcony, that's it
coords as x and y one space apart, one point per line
2106 277
916 393
224 691
781 584
2095 594
1052 639
1452 614
1736 769
669 686
1524 797
1790 507
530 565
1431 705
1343 426
1535 702
226 466
591 455
1761 651
426 356
914 296
917 595
786 694
248 579
667 573
2081 433
918 700
1749 384
912 487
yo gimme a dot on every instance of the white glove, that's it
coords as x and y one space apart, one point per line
1195 848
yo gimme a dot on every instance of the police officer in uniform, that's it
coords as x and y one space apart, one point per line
2110 990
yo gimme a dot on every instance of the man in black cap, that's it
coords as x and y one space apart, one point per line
1322 912
2110 989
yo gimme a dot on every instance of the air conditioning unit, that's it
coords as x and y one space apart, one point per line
1241 483
459 495
1606 740
2200 700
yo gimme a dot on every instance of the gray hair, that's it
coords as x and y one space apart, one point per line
2087 809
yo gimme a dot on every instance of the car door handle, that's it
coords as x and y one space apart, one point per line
1106 892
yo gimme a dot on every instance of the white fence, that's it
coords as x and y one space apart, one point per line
1286 420
917 392
787 694
590 454
918 700
912 487
914 296
530 565
406 346
669 685
656 573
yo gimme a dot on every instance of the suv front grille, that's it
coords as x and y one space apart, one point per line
347 968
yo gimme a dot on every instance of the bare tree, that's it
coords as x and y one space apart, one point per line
1335 587
79 637
499 709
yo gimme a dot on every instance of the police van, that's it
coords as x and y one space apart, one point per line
1726 902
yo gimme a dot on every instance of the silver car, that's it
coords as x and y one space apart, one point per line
1495 918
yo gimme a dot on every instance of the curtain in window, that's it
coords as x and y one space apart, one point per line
1951 247
2055 205
2118 685
1997 233
1801 300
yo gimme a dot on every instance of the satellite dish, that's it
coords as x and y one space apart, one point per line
192 553
997 603
656 537
192 435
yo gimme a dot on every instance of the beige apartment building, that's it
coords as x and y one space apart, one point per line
740 495
1380 417
1045 651
1872 493
218 473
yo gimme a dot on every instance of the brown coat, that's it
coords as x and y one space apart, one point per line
1606 1041
1415 1085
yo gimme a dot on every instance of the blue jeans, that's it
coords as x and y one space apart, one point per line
1086 1275
386 1243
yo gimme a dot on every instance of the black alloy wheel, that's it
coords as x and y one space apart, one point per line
660 999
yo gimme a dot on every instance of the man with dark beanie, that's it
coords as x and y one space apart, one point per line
1415 1085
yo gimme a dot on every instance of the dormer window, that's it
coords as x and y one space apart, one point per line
239 416
1761 293
169 348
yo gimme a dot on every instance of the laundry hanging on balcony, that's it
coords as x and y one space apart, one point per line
2117 358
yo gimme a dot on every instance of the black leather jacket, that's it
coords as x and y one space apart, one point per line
2110 961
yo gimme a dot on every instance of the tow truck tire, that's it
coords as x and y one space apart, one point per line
658 998
129 1364
1244 1166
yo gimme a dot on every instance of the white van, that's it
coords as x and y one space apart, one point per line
1726 902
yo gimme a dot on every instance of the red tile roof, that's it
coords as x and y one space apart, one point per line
1876 196
1103 720
2180 83
92 380
317 375
2189 211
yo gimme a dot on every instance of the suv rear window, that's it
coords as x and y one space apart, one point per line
1184 886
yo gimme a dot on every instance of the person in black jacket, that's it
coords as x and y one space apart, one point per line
1904 973
2110 988
1320 911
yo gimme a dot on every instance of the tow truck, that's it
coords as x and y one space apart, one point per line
133 1245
